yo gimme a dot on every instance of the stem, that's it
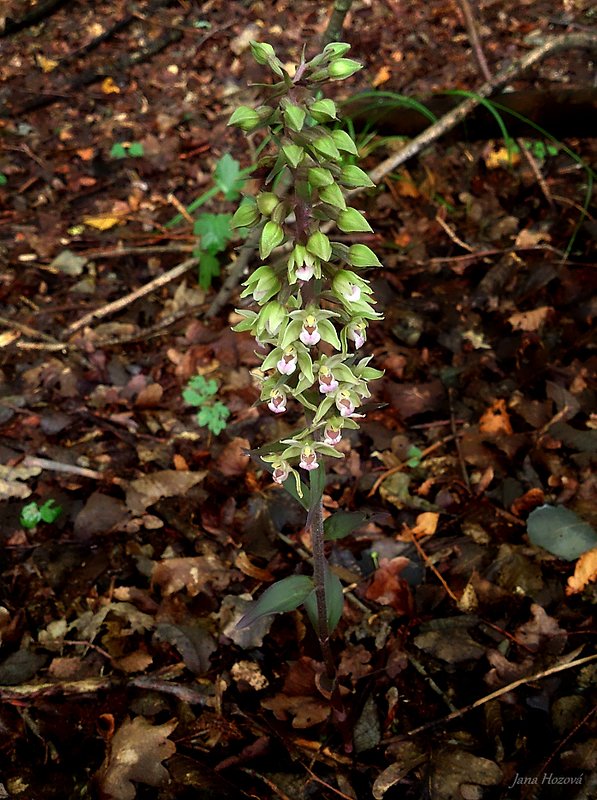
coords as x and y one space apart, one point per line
319 571
333 32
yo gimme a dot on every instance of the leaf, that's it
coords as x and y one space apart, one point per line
334 602
561 532
118 150
214 230
284 595
342 524
3 179
214 417
209 268
102 222
226 176
585 572
30 515
49 511
144 492
109 86
135 754
136 150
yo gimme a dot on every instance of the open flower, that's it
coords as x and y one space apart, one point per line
281 471
346 403
287 364
357 333
332 434
305 273
277 402
308 458
327 382
309 334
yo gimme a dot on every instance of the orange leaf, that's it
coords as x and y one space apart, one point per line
426 524
530 320
383 74
496 420
109 87
85 153
584 572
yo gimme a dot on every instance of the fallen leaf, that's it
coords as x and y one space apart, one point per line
305 711
383 75
387 587
102 222
233 460
530 320
496 420
249 672
8 337
585 572
109 87
146 491
502 157
46 64
135 754
426 524
192 574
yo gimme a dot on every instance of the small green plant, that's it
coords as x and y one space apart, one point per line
313 307
3 179
126 150
32 514
212 414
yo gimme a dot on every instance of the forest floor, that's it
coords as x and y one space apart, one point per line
465 652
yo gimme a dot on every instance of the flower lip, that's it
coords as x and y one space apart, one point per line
277 403
332 435
287 364
305 273
308 458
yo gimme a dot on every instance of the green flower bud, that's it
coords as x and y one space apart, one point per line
333 196
271 317
319 176
327 147
245 118
294 116
266 203
342 68
293 154
350 221
319 75
263 284
336 49
323 110
262 52
359 255
245 215
344 142
271 236
354 176
319 245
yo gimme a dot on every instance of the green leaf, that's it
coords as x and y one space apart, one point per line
293 154
344 142
245 118
214 417
284 595
271 236
323 110
414 454
202 385
342 523
332 195
214 230
209 268
350 220
30 515
359 255
245 215
136 150
3 179
334 602
319 176
326 146
355 176
227 176
294 116
118 151
50 512
561 532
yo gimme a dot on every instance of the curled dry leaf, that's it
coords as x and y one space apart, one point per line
135 755
192 574
496 420
144 492
585 572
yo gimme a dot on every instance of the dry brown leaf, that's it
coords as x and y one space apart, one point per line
387 587
46 64
496 420
102 222
383 75
144 492
502 157
135 755
233 460
585 572
109 87
192 574
426 524
306 711
530 320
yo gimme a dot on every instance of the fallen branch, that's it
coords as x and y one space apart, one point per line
449 121
123 302
37 14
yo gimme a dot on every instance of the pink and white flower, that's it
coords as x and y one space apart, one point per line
305 273
332 435
308 458
309 334
287 364
345 404
277 402
281 471
327 382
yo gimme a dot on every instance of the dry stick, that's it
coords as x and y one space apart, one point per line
450 120
498 693
122 302
475 40
236 271
333 32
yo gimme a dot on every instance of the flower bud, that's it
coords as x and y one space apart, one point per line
359 255
271 236
319 245
355 176
267 202
336 49
345 285
323 110
245 118
332 195
262 52
293 154
319 176
308 458
342 68
350 221
294 116
245 215
271 317
344 142
277 402
325 146
263 284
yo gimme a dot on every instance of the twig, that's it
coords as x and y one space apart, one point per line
453 236
122 302
70 469
461 460
333 32
235 272
579 662
143 250
28 331
432 567
403 464
433 685
450 120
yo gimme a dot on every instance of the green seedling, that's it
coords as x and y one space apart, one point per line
32 514
3 179
312 308
212 414
126 150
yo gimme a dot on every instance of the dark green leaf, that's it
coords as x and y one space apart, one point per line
117 151
50 512
136 150
209 268
334 601
342 523
3 179
284 595
561 532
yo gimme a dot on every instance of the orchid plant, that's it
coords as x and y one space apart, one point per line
311 308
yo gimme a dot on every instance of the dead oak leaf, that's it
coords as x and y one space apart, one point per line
192 574
496 419
135 755
305 711
144 492
530 320
585 572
